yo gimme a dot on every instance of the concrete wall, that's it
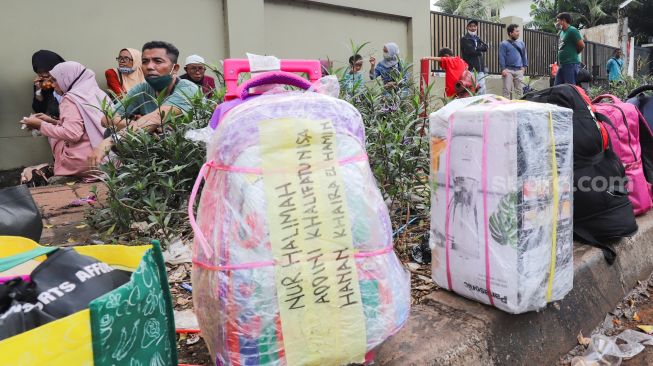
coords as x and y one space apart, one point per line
323 28
90 32
607 34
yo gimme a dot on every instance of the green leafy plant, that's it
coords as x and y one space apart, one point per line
397 139
151 175
622 88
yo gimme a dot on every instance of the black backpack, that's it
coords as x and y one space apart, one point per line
644 102
599 215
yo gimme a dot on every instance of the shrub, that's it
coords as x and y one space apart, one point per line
149 185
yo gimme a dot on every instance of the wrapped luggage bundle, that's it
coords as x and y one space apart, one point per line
501 216
293 257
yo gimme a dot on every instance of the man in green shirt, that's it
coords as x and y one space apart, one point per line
570 45
160 68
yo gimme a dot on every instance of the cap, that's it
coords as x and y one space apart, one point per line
472 21
194 59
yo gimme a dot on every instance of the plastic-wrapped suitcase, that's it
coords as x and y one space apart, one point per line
501 203
293 257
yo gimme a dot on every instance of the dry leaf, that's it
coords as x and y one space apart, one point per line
193 338
48 226
631 302
183 336
616 322
583 340
72 240
182 301
70 183
636 317
80 226
648 329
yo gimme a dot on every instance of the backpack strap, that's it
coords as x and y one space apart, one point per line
608 253
521 52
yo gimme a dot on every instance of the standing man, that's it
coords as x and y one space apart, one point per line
473 48
513 61
570 45
614 67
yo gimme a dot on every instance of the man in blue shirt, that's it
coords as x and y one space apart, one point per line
614 66
513 61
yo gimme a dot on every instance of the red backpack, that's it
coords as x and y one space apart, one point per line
632 141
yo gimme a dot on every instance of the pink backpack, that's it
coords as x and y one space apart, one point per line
632 141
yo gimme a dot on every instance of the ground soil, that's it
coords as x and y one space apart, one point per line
64 226
635 309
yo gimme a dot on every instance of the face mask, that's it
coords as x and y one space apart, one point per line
472 33
57 96
386 55
558 26
159 83
125 70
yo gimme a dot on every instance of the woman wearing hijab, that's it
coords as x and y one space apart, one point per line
128 74
78 130
389 69
45 101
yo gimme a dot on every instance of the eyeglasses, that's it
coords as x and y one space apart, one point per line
196 68
124 59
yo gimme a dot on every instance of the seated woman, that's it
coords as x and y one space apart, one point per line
128 74
78 129
44 101
389 69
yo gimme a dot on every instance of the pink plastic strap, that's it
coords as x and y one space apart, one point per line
252 265
204 245
486 121
486 124
247 170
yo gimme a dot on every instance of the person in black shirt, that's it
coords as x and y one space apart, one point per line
473 50
44 100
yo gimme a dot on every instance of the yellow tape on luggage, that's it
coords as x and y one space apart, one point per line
556 203
318 293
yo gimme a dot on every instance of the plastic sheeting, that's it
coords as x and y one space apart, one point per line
501 216
262 299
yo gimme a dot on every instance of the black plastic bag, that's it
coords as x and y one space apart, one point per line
65 283
19 215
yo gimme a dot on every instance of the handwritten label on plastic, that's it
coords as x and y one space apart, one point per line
318 293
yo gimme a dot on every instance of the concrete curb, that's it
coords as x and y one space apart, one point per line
451 330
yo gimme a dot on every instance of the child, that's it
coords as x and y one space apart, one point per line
458 80
353 77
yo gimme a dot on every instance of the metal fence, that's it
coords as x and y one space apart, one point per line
447 30
596 56
542 48
643 61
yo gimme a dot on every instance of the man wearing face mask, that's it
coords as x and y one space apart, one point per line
473 50
159 64
570 45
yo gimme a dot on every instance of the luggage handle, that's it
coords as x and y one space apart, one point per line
641 89
234 67
612 98
274 77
